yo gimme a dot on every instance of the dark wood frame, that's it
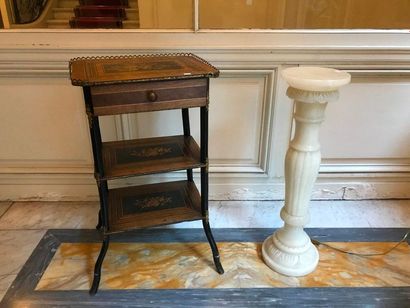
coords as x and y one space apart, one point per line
104 213
130 91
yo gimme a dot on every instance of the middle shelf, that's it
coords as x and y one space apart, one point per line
150 155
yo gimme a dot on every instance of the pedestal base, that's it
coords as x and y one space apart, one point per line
289 264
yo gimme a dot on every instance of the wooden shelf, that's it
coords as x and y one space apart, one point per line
153 205
148 156
146 83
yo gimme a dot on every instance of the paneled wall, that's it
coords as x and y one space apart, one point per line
45 151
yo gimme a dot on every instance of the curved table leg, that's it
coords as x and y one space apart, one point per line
98 265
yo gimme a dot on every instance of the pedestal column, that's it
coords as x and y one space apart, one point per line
289 250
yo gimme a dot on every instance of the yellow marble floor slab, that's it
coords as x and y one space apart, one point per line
190 265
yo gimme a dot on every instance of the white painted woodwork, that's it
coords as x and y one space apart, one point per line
381 121
237 109
43 127
289 250
45 151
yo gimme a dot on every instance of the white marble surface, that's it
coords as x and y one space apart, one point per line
310 78
5 283
4 206
360 214
15 247
323 214
223 214
50 215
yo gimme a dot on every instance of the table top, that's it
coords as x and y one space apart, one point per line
90 71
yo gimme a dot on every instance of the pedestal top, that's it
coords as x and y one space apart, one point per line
315 78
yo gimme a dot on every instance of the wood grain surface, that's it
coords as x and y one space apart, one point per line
117 69
153 205
150 155
148 96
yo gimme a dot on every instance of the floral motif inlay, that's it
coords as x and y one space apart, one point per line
151 202
151 152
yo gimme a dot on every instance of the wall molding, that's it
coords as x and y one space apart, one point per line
394 165
372 164
45 54
258 164
82 187
53 62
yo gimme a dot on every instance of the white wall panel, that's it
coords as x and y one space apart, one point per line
239 102
161 123
43 127
369 127
111 128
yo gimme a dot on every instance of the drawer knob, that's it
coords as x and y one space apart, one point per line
152 96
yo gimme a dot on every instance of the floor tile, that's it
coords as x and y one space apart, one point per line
50 215
156 262
5 283
387 214
16 246
223 214
323 214
4 205
360 214
163 266
240 214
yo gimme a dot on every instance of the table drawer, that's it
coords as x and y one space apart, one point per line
149 96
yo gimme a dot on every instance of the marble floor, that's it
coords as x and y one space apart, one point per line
164 266
23 224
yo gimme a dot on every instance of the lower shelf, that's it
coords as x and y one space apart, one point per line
153 205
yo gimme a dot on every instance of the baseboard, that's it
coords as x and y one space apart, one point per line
82 187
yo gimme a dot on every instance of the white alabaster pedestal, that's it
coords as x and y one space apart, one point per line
289 250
